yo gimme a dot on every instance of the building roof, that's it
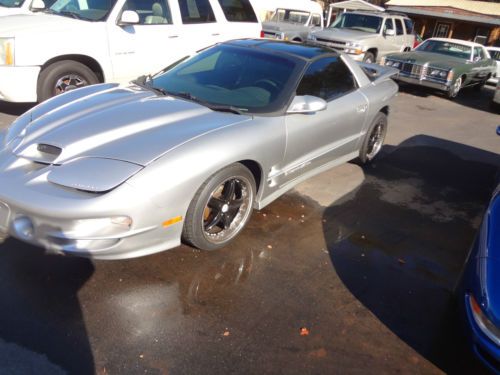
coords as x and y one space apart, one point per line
481 7
356 5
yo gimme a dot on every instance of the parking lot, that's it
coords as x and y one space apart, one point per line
352 272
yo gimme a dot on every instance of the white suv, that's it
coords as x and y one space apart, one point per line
79 42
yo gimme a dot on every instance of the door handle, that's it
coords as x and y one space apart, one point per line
173 36
216 34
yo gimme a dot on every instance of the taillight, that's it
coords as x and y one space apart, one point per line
262 34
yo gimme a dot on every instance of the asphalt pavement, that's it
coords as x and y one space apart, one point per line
352 272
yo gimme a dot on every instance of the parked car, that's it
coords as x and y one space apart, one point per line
76 43
444 64
110 171
293 24
479 291
495 102
367 36
495 55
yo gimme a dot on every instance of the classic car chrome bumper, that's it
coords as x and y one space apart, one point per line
424 81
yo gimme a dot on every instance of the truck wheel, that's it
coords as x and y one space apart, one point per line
369 58
63 76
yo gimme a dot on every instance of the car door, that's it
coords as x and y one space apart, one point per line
236 19
400 38
150 45
388 42
200 26
481 65
316 139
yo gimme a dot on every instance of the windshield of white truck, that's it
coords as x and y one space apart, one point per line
87 10
11 3
361 22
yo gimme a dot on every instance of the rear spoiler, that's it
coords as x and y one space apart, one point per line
377 73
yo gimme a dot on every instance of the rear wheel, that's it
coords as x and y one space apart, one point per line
220 209
63 76
374 138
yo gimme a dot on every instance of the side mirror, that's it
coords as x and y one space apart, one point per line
37 5
389 32
306 104
128 17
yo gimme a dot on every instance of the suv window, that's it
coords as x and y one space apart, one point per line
388 24
316 20
238 10
399 26
409 25
196 11
151 12
327 78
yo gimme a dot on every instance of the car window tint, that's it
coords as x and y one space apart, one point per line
316 20
409 25
151 12
478 52
399 27
388 24
494 54
327 78
238 10
196 11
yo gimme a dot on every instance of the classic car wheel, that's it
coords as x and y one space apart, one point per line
374 138
454 90
369 58
220 209
63 76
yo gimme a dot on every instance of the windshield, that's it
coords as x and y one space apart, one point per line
88 10
246 80
361 22
446 48
11 3
291 16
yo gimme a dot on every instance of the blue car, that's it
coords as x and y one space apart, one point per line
480 288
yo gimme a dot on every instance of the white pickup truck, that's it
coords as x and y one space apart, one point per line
74 43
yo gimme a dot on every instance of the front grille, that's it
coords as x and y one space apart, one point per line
330 42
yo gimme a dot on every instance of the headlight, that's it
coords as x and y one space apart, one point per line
396 64
443 74
486 326
6 51
311 37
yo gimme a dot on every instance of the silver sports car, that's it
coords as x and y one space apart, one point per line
113 172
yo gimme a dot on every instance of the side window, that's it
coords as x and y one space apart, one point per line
399 27
151 12
238 10
388 24
327 78
316 20
409 25
196 11
478 52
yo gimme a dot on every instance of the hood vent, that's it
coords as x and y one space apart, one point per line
41 153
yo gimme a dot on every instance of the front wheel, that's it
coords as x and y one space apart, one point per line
374 139
455 88
63 76
220 209
369 58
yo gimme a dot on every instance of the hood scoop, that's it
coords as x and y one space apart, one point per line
42 153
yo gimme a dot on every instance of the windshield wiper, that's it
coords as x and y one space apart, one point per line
146 81
73 15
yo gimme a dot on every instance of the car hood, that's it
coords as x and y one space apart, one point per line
123 123
5 11
26 24
282 26
436 60
343 35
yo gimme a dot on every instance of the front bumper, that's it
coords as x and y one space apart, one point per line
55 218
424 82
18 83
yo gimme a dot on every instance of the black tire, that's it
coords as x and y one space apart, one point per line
63 76
374 139
218 212
369 58
452 93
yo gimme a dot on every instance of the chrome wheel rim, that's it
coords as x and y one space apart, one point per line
375 141
227 210
456 87
69 82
